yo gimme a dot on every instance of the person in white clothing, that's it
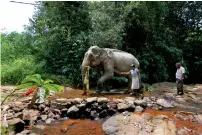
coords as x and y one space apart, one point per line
179 78
135 78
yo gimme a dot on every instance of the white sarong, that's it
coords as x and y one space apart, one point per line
135 79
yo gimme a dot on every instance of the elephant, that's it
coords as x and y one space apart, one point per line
110 60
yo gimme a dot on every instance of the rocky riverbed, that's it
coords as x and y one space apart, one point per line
159 112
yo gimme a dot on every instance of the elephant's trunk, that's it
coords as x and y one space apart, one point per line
83 68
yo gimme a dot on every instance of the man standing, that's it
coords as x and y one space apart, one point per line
179 78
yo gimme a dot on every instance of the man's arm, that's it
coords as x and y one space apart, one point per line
121 73
183 72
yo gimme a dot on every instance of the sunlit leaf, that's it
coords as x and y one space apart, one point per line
25 86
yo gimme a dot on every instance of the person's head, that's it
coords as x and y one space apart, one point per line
178 65
132 66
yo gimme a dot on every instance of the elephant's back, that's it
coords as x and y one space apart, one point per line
123 61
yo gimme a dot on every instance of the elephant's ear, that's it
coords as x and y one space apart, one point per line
95 51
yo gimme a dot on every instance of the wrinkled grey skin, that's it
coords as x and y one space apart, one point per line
108 59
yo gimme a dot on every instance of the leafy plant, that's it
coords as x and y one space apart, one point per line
6 130
42 88
150 89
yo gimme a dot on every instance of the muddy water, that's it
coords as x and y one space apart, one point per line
89 127
73 127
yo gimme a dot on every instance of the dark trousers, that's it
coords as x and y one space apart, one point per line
180 90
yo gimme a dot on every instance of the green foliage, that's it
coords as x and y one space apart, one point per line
150 89
159 34
62 30
14 70
107 24
36 80
6 130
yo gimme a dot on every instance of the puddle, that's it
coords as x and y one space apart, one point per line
73 127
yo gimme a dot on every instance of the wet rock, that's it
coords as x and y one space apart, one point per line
5 107
40 126
56 117
169 96
18 124
20 134
130 99
46 110
138 109
153 98
73 109
19 115
94 106
111 111
51 115
64 112
77 101
112 104
17 109
130 104
25 132
64 130
103 114
81 105
118 100
142 132
110 126
57 111
10 116
102 100
26 115
94 114
126 113
44 117
18 103
148 129
182 131
180 99
149 105
164 103
91 99
198 118
146 116
147 99
48 121
104 106
87 112
140 102
163 127
122 106
33 134
41 107
63 100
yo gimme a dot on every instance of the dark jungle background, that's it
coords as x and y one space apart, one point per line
159 34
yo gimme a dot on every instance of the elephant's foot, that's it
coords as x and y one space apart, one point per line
99 88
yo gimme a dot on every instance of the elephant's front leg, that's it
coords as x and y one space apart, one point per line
103 79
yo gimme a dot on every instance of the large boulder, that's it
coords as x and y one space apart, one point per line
91 99
110 126
164 103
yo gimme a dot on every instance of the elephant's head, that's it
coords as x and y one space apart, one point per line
93 57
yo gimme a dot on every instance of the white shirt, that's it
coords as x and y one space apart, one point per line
179 73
